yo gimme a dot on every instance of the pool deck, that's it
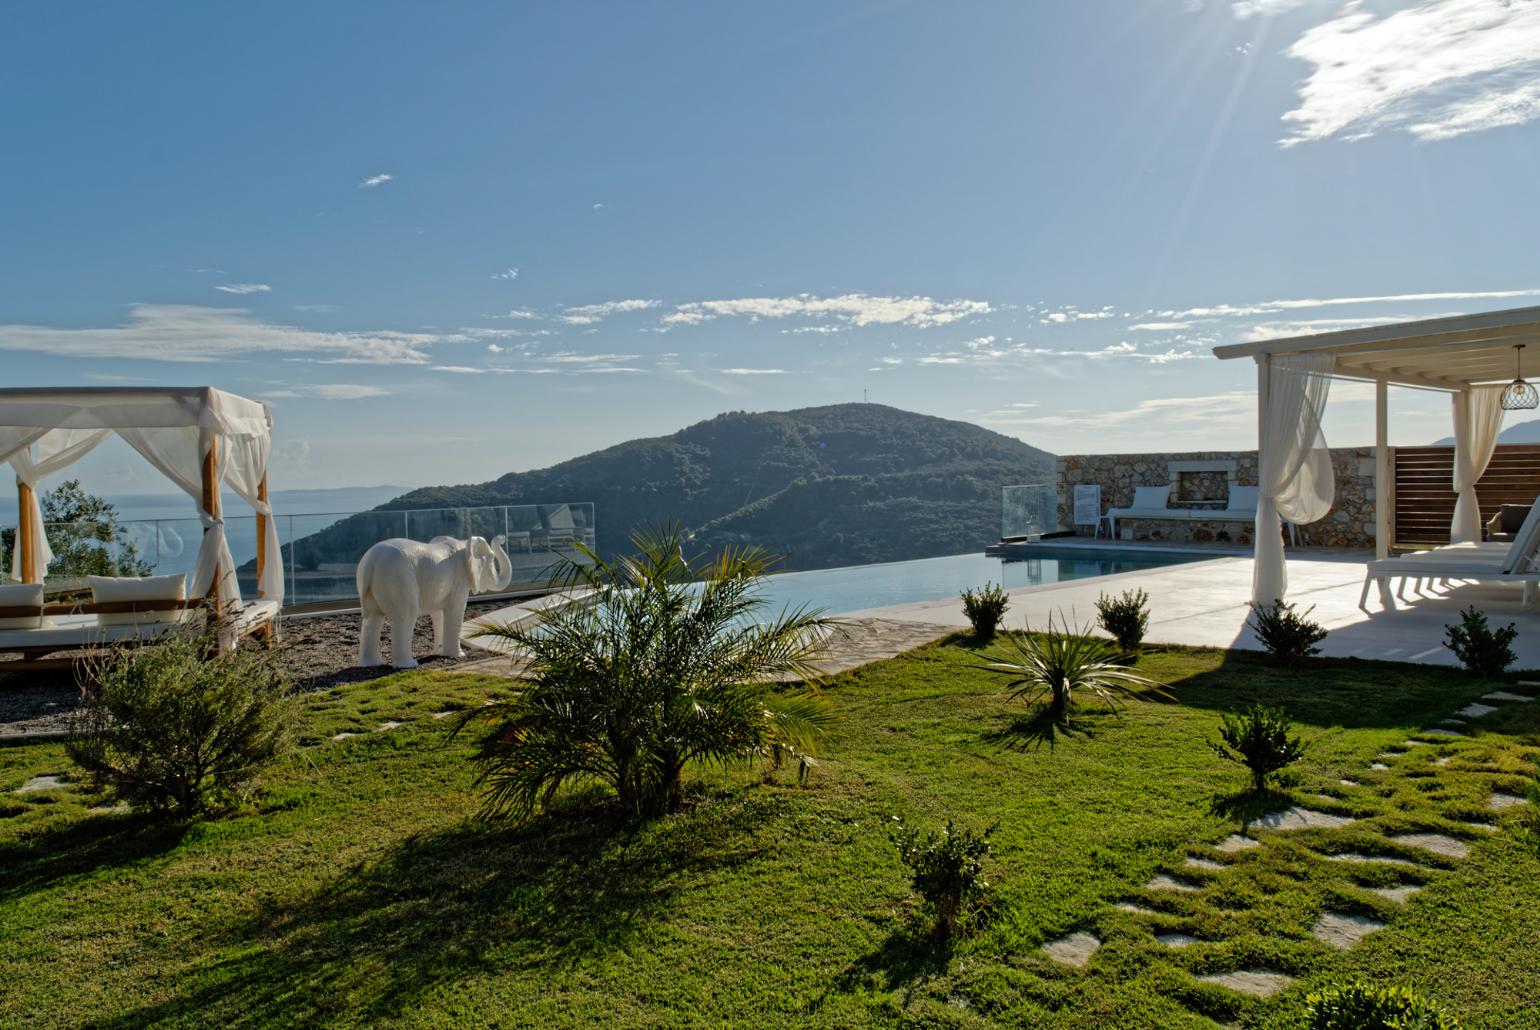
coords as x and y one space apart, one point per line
1205 604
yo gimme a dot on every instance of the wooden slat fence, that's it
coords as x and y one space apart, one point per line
1424 497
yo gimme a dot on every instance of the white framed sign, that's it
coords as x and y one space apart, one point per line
1088 504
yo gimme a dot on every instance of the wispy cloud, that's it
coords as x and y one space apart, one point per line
1244 9
1159 327
754 371
375 180
244 288
1270 307
588 314
326 391
317 309
180 332
507 274
1437 69
858 309
520 315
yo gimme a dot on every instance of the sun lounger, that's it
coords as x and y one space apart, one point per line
1485 563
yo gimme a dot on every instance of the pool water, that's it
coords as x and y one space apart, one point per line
859 587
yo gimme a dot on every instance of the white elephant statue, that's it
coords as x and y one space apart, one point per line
398 580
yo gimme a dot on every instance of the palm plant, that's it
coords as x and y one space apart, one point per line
1065 662
659 662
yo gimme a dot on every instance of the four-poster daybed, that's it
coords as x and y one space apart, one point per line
198 437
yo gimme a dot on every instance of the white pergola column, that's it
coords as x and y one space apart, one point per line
1382 471
1269 574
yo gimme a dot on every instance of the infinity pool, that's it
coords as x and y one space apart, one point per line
858 587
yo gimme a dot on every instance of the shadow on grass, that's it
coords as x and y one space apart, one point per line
1032 730
1247 806
82 846
446 907
910 955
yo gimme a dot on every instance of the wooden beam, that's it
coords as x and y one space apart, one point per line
210 501
27 530
261 534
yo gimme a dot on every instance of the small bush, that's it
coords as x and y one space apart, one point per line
1284 633
171 727
1367 1006
1258 738
947 870
985 609
1126 617
1484 652
1061 664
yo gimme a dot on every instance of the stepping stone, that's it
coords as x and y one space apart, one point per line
1503 695
1235 842
1409 744
1496 803
1297 818
1379 766
1441 762
117 809
38 783
1205 864
1476 710
344 735
1441 733
1453 720
1438 843
1176 940
1341 930
1138 910
1485 827
1259 983
445 715
1354 856
1167 883
387 726
1348 783
1074 950
1397 894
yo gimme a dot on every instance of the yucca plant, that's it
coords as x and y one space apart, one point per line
1063 663
662 662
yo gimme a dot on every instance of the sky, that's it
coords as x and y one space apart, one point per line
445 242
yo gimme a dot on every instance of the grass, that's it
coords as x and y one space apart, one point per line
363 893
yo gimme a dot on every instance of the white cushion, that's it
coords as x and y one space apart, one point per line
111 590
1147 497
1242 498
22 595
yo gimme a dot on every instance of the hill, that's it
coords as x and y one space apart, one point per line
822 486
1519 432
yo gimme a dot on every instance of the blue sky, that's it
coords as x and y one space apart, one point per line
454 240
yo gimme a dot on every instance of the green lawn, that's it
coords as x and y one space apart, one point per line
363 892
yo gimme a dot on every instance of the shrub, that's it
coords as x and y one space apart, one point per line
985 609
1258 738
1366 1006
947 870
1058 665
1126 617
1284 633
1483 652
663 663
175 728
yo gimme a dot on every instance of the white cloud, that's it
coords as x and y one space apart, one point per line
519 314
494 348
1244 9
375 180
1235 409
754 372
181 332
1274 306
1073 314
348 391
317 309
1437 69
464 370
587 314
507 274
244 288
1159 327
574 358
859 309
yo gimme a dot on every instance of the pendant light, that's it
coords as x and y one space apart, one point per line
1519 395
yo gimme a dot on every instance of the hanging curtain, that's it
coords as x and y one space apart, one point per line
1478 418
56 449
245 463
178 453
1294 473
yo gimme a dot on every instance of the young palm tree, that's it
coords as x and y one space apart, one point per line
1062 663
660 663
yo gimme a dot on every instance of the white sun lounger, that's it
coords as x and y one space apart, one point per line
1486 563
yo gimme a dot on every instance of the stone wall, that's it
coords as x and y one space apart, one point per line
1201 478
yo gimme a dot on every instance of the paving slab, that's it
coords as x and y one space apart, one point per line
1176 940
1378 766
344 735
1438 843
1235 842
1162 882
38 783
387 726
1342 929
1503 695
1438 732
1348 783
1397 894
1502 800
1476 710
1208 865
1356 856
1135 909
1259 983
445 715
1441 762
1484 827
1073 950
1298 818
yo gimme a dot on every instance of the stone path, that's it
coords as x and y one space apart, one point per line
1074 950
1342 930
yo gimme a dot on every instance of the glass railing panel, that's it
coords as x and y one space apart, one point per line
1027 509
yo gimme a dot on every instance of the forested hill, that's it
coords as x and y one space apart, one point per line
821 486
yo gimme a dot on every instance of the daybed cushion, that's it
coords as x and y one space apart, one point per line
22 595
1148 497
1507 521
111 590
1242 498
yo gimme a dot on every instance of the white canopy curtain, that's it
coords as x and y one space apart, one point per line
56 450
1478 418
175 429
1294 473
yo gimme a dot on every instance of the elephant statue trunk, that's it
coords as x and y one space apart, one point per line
400 579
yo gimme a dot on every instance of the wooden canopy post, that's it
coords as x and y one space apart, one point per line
26 533
261 533
210 500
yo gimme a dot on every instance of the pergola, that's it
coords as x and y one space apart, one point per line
198 437
1471 357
